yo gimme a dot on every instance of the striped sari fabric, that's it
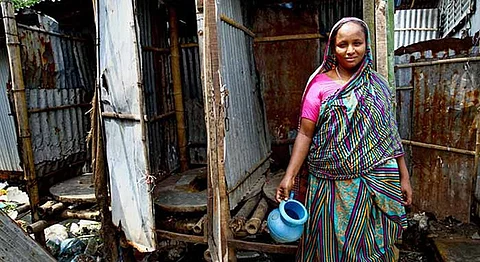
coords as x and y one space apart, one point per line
353 196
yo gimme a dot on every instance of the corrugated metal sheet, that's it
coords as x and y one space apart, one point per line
59 79
284 66
9 158
193 100
163 149
415 25
119 66
454 12
245 137
439 110
416 4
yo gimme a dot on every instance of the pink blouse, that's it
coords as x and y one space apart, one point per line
319 89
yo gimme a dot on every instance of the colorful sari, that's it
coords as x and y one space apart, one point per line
354 196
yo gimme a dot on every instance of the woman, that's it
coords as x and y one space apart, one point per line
358 181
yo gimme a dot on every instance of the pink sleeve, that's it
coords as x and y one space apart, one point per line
312 101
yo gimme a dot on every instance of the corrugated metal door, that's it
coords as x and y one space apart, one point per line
123 117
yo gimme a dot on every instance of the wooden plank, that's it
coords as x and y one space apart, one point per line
263 247
180 237
79 189
16 245
218 208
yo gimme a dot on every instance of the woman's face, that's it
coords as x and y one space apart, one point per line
350 45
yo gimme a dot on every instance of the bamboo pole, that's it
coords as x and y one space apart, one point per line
475 187
23 208
253 225
80 214
21 109
440 62
437 147
36 227
237 223
180 237
177 88
287 38
198 228
43 209
237 25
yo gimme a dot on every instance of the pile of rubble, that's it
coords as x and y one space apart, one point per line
68 240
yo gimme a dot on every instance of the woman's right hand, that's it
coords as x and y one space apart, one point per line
284 188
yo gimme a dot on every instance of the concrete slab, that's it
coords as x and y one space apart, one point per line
458 250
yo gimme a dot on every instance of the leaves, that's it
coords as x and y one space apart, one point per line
18 4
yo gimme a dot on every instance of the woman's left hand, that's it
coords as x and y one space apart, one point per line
406 191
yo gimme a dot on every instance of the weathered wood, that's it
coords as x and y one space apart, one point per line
57 208
81 214
184 226
79 189
237 223
253 225
163 234
207 256
21 109
198 227
263 247
23 208
16 245
369 18
287 38
38 226
172 195
381 37
270 188
177 88
214 110
43 209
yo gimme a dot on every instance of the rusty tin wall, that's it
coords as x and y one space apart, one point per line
193 101
245 131
163 149
284 66
437 106
158 94
58 71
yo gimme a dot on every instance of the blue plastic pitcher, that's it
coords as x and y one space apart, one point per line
286 222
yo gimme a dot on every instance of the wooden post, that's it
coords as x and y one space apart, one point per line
253 225
218 208
475 185
177 88
390 13
369 18
20 101
380 40
99 174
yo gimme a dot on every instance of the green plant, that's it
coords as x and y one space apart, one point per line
24 3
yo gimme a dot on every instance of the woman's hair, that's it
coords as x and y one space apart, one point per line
333 34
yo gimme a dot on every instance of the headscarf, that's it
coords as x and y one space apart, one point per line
356 130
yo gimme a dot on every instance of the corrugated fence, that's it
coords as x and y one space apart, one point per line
438 95
9 158
415 25
245 131
59 80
